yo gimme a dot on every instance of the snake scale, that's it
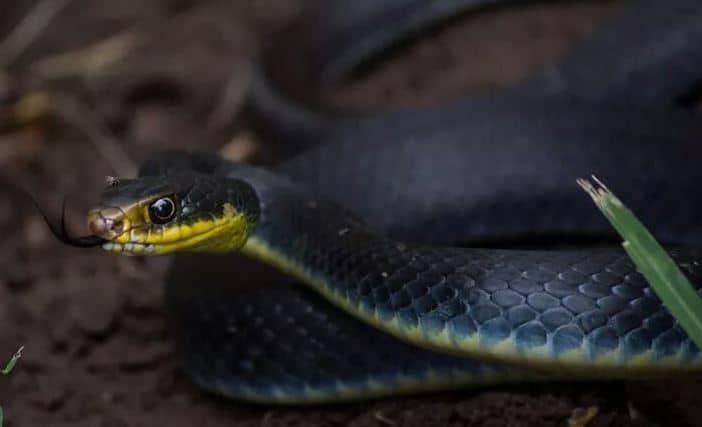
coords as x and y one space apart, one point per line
365 208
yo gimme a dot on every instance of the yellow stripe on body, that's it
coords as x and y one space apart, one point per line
372 388
574 363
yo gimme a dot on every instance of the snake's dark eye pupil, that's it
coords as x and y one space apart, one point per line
162 210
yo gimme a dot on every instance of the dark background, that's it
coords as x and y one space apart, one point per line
108 82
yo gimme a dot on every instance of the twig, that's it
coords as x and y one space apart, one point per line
90 60
229 103
265 421
384 419
240 148
31 26
581 417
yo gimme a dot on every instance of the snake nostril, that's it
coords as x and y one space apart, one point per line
117 227
106 222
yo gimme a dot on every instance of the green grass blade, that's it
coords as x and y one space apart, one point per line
7 370
13 361
661 272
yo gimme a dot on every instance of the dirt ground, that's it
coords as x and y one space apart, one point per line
106 83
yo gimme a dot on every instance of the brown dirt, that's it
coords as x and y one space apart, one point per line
98 352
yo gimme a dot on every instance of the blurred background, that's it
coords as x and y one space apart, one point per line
89 89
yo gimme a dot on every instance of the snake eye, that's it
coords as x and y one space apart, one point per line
162 210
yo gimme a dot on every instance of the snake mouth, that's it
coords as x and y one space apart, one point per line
129 248
134 242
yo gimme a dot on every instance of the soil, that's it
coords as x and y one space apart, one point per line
105 84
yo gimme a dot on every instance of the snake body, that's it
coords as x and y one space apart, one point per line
505 315
458 172
647 55
360 218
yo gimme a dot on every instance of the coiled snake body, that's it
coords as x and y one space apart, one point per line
381 316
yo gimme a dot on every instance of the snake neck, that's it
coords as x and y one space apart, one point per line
297 231
310 237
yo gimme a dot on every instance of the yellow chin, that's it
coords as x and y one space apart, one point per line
224 234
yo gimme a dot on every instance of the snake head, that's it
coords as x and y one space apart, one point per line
187 211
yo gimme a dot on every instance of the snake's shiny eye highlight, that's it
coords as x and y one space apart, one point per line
162 210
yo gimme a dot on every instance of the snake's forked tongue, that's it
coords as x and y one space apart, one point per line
61 232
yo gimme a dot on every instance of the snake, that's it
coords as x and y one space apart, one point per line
372 291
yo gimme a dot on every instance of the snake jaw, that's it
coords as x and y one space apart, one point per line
130 248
